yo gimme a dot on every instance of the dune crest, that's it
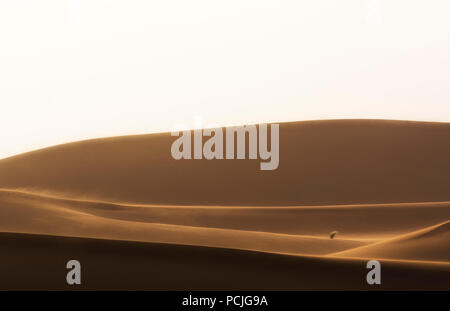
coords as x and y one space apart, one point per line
432 244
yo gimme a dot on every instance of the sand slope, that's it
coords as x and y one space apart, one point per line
432 244
128 245
123 265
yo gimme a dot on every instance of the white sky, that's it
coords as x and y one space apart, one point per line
77 69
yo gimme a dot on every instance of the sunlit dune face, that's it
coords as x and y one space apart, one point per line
78 69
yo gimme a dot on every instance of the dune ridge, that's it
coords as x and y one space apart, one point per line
318 221
33 214
431 243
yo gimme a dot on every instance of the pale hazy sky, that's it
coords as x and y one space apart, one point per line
77 69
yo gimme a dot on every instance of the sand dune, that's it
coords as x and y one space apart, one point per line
432 243
137 219
321 163
124 265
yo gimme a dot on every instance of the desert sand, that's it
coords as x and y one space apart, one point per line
138 219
